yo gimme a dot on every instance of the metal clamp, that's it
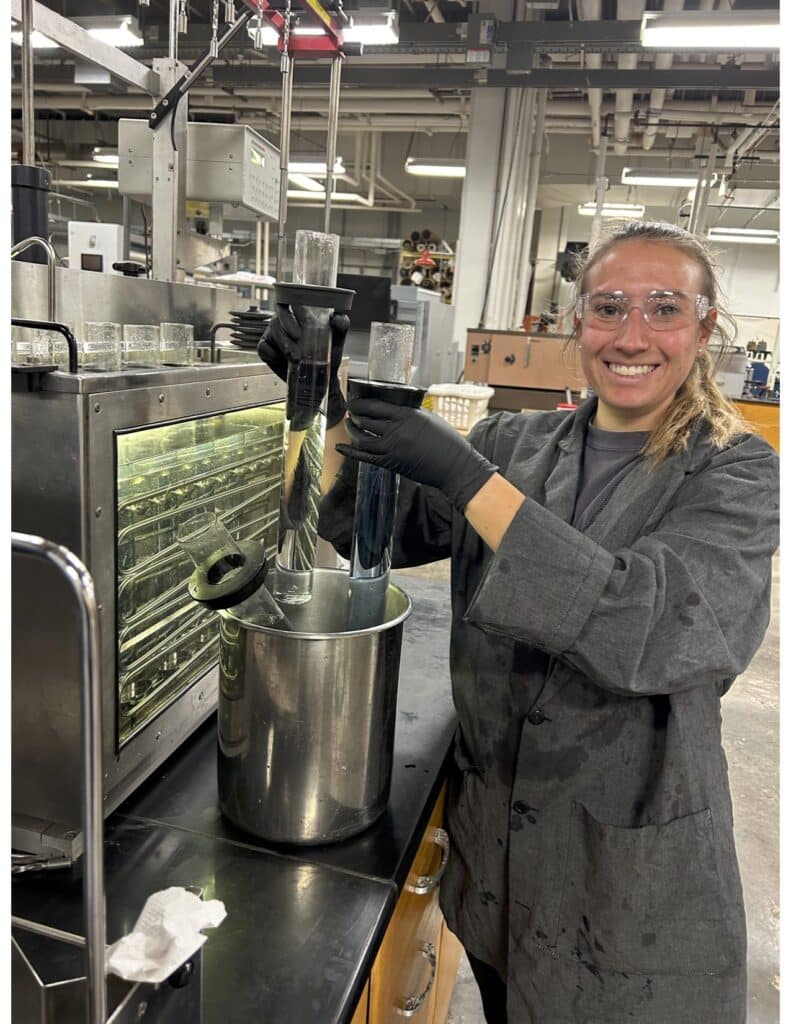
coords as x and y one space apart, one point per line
412 1004
91 725
427 883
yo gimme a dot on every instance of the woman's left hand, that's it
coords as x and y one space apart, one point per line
417 444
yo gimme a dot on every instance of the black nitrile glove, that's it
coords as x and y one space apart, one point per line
418 445
280 346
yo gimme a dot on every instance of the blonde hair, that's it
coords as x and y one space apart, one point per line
699 397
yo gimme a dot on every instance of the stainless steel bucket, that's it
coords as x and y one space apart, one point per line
306 718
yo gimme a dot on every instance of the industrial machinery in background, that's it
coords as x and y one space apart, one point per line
427 261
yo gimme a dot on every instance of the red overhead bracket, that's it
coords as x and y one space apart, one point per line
328 44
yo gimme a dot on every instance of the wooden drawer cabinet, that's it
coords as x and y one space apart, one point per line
415 969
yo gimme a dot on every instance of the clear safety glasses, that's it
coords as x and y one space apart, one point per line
661 310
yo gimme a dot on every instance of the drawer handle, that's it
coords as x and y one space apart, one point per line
413 1003
427 883
527 352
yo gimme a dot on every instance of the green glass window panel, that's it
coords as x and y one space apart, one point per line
230 462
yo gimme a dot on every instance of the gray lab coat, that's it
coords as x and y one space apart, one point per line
592 851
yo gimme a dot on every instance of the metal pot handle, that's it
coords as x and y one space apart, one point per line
424 884
91 721
413 1003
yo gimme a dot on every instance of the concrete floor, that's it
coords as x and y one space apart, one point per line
751 740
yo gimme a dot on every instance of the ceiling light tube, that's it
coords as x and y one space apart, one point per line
306 183
711 30
435 167
312 165
337 197
745 236
108 157
633 210
660 178
37 40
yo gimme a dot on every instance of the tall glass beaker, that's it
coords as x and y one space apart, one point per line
315 263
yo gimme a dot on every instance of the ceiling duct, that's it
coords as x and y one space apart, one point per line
590 10
628 10
662 61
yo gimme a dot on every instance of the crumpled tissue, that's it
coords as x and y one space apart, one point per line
165 935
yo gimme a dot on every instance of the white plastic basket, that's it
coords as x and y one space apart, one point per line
462 405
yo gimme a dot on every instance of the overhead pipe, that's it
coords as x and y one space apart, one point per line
28 107
628 10
662 62
590 10
533 173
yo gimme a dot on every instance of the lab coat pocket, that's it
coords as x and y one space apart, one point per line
645 900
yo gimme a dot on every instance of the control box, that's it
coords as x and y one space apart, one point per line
226 163
95 246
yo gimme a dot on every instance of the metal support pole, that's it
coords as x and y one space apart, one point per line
332 136
602 184
169 186
258 226
703 205
28 108
173 31
287 72
91 723
125 218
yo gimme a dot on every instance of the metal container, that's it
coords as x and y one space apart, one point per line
307 718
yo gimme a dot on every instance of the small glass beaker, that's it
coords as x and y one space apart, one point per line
177 344
140 346
33 346
390 352
100 346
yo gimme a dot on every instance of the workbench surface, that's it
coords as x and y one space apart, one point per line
304 923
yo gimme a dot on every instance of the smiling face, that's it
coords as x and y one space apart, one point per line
636 370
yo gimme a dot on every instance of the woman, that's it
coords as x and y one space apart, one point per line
611 574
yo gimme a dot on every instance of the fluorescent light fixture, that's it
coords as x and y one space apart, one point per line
37 40
711 30
435 167
744 236
306 183
269 35
372 28
108 157
312 165
626 210
660 178
121 32
85 183
337 197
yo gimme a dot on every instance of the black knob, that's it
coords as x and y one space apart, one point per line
486 347
536 717
129 268
510 359
181 976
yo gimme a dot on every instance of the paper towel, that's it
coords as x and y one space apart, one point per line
165 935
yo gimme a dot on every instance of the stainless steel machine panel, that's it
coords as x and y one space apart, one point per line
100 462
228 163
84 295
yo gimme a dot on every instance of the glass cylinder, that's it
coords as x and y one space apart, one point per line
390 352
390 356
207 542
214 551
177 344
140 346
315 263
316 258
99 348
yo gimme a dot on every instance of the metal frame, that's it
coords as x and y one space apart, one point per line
91 715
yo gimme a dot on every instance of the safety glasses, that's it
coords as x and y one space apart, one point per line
661 310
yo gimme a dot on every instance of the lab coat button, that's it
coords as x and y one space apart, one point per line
536 717
520 807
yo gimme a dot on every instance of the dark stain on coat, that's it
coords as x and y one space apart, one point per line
648 938
685 620
693 599
487 897
517 824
